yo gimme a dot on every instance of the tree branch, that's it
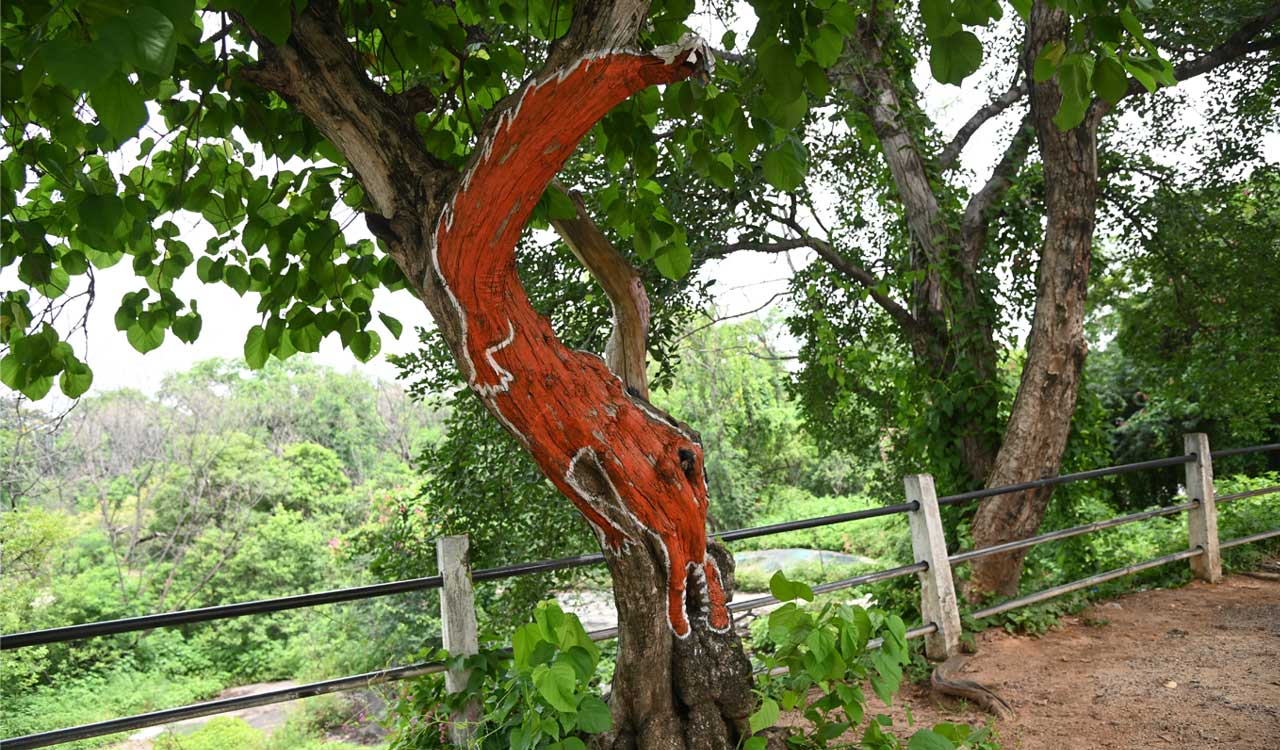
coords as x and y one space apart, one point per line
837 261
977 214
1237 45
862 72
625 352
951 153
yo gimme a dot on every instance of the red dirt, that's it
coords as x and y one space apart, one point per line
1194 667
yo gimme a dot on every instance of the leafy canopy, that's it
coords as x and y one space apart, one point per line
124 122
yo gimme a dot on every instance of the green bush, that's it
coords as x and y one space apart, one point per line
97 698
221 733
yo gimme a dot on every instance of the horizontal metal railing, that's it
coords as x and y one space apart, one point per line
1246 449
825 588
280 604
1083 583
165 716
1248 493
1066 478
208 708
1054 536
1249 539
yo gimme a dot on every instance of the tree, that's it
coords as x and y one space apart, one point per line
905 311
431 121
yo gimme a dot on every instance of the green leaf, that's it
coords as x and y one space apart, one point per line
1110 80
75 379
187 327
784 166
786 114
927 739
37 388
155 41
955 56
784 589
366 345
556 684
594 716
674 261
101 214
144 339
559 205
271 18
765 716
393 325
255 348
1073 82
827 45
781 74
119 105
1047 61
843 17
937 18
75 66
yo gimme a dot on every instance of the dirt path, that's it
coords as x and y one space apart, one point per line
1195 667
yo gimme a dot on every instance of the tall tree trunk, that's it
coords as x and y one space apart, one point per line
634 473
1040 422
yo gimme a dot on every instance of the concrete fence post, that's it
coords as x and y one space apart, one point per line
458 626
1202 520
937 590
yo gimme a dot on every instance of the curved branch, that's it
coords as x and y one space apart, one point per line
625 353
951 153
977 214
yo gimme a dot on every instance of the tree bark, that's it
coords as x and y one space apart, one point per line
635 474
1036 434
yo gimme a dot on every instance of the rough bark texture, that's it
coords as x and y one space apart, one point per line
951 330
634 472
1040 422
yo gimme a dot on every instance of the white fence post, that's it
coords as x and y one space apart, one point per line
937 590
458 626
1202 520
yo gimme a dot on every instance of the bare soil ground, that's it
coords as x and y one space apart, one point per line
1194 667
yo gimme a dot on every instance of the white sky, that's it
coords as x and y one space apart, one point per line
742 282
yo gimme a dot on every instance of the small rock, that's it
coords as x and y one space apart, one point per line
1171 684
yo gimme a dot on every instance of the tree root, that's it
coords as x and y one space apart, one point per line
943 683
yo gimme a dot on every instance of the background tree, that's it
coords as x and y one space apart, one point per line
905 314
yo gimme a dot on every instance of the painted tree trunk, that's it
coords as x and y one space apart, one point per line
636 474
633 472
1040 422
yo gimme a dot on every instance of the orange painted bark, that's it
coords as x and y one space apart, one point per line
632 471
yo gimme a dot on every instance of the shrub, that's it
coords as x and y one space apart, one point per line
221 733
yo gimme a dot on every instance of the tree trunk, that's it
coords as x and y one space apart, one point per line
1040 422
633 472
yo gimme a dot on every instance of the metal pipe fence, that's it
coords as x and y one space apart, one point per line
209 708
1054 536
937 589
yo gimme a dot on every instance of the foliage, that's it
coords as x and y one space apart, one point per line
98 697
730 386
884 539
1196 346
541 695
822 657
196 496
220 732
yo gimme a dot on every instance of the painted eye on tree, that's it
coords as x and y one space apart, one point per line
688 463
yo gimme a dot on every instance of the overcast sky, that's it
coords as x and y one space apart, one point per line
742 282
